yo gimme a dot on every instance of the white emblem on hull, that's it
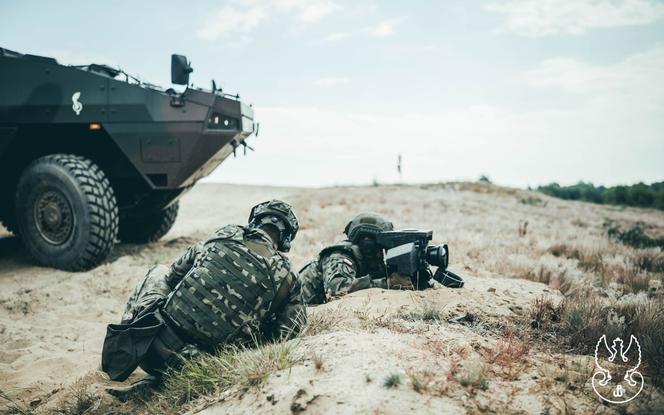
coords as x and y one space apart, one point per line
76 105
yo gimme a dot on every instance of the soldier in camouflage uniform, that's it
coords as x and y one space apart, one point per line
234 286
354 264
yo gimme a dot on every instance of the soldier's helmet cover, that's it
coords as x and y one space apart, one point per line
367 224
278 214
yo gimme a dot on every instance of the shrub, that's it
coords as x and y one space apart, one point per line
638 195
634 236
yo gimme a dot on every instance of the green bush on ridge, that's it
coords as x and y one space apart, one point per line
637 195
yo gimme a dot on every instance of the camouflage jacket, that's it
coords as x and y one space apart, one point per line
340 269
235 285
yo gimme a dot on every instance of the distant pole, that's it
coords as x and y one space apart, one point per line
399 168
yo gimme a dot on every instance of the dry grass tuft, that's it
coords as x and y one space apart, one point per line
509 354
634 281
232 367
318 361
648 261
427 382
473 376
592 262
13 407
78 399
542 311
81 401
425 312
318 322
646 322
532 201
564 251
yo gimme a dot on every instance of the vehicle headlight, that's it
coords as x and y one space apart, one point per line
221 122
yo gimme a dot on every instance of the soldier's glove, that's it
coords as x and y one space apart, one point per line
399 282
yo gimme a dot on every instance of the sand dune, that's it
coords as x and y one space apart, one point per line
52 322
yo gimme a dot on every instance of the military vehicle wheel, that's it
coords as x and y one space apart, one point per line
150 228
66 212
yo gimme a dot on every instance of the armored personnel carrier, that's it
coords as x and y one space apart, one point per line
90 154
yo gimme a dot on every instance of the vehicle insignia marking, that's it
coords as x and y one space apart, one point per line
77 106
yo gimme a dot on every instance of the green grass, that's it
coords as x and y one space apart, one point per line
392 380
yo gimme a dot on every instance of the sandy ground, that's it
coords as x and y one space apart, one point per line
52 322
367 344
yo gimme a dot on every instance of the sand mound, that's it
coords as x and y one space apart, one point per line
371 335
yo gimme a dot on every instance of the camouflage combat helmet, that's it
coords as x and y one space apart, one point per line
367 224
279 214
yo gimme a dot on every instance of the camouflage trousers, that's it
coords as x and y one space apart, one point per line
151 289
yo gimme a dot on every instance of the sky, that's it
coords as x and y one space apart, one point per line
527 92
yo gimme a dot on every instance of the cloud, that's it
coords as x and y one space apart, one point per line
553 17
428 47
308 11
329 81
335 37
242 17
637 78
232 19
383 29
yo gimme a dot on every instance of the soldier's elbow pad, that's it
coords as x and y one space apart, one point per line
361 283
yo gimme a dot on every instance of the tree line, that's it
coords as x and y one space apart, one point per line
638 195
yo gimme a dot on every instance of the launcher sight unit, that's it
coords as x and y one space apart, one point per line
408 253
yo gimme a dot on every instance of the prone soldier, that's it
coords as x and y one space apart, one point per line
375 256
235 286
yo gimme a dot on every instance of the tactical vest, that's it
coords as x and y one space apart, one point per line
228 291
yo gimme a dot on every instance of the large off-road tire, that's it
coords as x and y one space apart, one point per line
148 228
66 212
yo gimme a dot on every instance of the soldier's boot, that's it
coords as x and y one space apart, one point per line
136 389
